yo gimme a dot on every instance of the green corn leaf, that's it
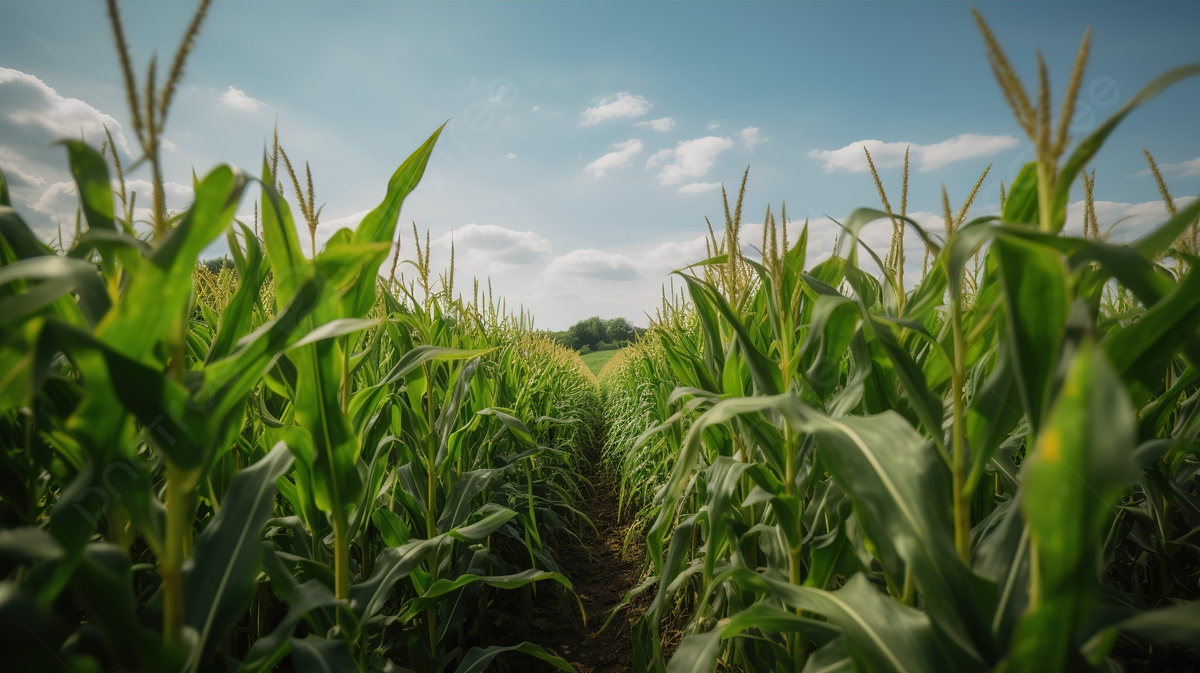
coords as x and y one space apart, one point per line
1141 352
157 296
228 557
312 654
270 649
56 277
237 317
1021 206
1077 472
880 634
391 527
834 322
478 658
1089 146
697 653
282 243
832 658
103 582
379 225
902 497
442 587
1035 294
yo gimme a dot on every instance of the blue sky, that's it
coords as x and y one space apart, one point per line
586 139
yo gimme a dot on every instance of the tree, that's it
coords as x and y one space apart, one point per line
618 330
589 332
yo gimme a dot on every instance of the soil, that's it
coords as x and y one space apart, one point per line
601 575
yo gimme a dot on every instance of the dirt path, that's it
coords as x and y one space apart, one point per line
601 577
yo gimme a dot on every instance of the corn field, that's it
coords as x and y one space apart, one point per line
301 463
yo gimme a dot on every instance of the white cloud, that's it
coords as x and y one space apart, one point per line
751 137
698 187
593 264
621 106
59 202
325 228
168 145
618 159
689 159
238 100
1132 220
477 243
348 221
16 177
666 257
927 157
664 124
712 126
38 115
511 155
1184 169
536 108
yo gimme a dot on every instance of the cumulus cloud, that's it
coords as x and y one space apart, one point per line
617 159
59 201
594 264
750 136
488 242
1183 169
38 114
689 159
712 126
511 155
1131 220
536 108
664 124
624 105
238 100
17 178
32 117
926 157
698 187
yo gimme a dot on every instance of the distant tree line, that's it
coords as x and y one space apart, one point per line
215 264
597 334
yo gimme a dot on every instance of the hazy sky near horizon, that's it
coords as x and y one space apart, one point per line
587 141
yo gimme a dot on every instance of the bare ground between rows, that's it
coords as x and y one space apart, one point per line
601 575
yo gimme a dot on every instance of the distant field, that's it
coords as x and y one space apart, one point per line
596 361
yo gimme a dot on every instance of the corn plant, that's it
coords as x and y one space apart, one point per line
291 457
998 475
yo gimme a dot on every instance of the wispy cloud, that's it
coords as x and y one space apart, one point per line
689 159
698 187
619 159
621 106
663 125
927 157
238 100
492 243
1181 170
750 136
594 264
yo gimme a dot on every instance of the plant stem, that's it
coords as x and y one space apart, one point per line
341 554
1046 173
180 496
431 448
962 517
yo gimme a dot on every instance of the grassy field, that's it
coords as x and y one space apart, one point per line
596 361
